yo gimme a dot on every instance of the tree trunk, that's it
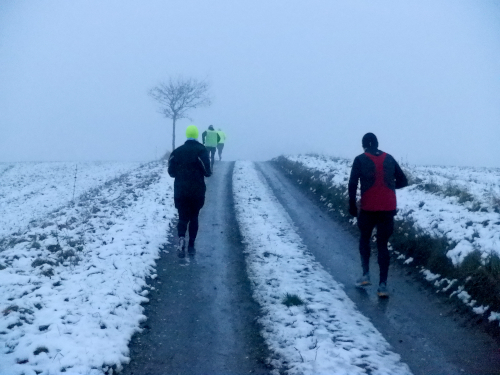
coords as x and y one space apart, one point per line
173 133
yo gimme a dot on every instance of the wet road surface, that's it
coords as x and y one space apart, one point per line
425 330
201 315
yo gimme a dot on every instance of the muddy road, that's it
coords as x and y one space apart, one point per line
202 318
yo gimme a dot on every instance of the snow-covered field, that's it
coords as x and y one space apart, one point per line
72 280
30 190
469 225
324 335
482 183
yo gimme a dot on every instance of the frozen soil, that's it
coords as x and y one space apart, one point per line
201 315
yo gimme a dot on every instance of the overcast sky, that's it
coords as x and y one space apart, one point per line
286 77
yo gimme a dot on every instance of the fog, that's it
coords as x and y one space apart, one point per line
286 77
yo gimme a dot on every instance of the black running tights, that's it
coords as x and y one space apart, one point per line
384 222
188 214
211 152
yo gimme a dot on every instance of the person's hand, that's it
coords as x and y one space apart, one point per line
353 209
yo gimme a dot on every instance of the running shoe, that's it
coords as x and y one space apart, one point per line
382 291
191 250
181 248
363 281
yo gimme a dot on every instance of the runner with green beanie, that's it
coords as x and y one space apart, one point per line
189 165
192 132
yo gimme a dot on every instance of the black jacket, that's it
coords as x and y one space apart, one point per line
189 165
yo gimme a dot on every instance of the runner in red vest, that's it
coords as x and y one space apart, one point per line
380 175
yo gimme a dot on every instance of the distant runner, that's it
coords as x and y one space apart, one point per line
210 139
380 175
222 140
189 165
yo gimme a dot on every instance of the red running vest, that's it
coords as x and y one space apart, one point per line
378 197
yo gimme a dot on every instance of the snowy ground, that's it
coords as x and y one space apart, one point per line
482 183
324 335
74 278
30 190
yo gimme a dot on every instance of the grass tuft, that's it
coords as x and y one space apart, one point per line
462 194
292 300
492 264
484 280
41 349
10 309
54 248
495 201
40 262
471 263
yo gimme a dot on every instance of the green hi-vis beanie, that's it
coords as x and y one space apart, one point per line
192 132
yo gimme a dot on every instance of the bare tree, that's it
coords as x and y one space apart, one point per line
178 96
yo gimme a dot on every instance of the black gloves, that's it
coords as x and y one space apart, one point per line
353 209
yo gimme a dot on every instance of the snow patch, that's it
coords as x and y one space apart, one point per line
429 276
72 302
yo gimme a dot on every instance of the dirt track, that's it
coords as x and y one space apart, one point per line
201 316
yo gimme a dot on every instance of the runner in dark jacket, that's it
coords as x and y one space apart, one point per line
380 175
189 165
